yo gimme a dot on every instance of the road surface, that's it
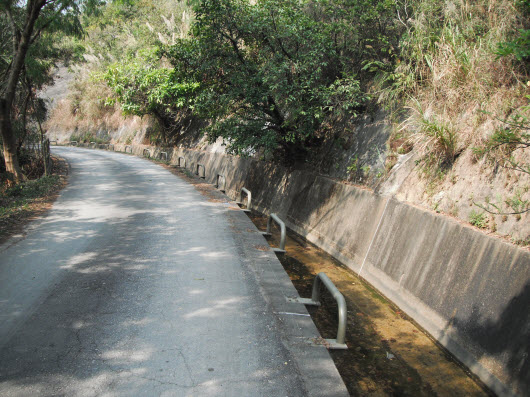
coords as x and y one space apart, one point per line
138 284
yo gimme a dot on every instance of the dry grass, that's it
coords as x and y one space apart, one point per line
459 78
435 140
85 109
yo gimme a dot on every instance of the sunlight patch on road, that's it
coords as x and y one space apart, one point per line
215 308
100 212
216 255
127 356
80 324
78 259
131 323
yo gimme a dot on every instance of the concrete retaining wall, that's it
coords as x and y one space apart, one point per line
469 290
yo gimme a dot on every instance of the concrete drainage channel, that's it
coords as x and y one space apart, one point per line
377 349
387 354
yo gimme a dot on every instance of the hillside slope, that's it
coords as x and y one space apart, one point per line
443 122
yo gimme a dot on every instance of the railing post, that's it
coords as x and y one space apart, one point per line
340 342
249 199
203 176
218 184
283 230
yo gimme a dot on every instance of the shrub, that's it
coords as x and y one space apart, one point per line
478 219
435 140
272 72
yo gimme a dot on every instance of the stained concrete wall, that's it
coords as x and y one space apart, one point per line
469 290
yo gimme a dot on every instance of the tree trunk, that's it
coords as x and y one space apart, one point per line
21 43
45 148
24 121
14 172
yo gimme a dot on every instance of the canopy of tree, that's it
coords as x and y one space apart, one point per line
30 37
266 75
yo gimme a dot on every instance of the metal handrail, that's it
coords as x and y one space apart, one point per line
127 146
179 163
203 171
109 146
73 143
162 153
340 342
249 201
218 186
274 217
148 153
53 141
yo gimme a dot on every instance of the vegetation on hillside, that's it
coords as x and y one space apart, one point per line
269 76
455 73
123 74
278 78
271 73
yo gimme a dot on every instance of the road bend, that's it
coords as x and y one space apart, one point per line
138 284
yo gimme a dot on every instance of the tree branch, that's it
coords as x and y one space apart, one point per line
278 39
14 27
500 213
47 23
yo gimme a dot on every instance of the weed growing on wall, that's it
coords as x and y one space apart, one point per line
478 219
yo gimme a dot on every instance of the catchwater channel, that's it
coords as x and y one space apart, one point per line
388 354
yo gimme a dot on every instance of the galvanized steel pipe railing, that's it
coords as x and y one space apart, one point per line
275 218
218 183
249 199
199 166
322 278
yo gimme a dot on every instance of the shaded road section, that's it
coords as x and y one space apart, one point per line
136 284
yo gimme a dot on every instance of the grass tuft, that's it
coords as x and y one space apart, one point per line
434 140
478 219
13 199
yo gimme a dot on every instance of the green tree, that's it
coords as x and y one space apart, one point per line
121 43
272 72
24 25
143 87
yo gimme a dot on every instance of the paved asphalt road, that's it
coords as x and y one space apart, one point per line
138 284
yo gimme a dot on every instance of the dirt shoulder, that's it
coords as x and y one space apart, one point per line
17 209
